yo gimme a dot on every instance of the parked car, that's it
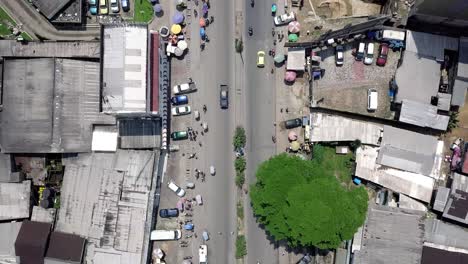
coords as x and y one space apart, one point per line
292 123
223 96
93 7
184 88
125 5
179 100
284 19
360 51
383 53
179 191
179 135
114 6
372 99
181 110
369 58
171 212
261 59
305 260
339 55
103 9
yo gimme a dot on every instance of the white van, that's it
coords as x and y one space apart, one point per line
165 235
369 58
372 98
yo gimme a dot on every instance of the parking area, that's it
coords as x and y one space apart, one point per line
345 87
111 16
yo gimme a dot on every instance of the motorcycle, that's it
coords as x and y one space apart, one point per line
250 31
252 3
273 32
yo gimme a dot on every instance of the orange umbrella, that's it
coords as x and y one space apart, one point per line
202 22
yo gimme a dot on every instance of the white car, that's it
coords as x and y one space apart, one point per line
181 110
179 191
369 58
184 88
114 6
284 19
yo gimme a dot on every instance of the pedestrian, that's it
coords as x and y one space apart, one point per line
287 110
281 110
190 80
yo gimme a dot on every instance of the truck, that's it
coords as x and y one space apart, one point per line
203 254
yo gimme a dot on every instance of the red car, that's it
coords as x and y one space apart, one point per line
383 52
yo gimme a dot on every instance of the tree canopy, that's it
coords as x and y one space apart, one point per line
302 202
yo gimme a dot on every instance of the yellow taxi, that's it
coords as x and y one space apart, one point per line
261 59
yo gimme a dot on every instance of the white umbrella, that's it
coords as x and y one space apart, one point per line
182 45
178 52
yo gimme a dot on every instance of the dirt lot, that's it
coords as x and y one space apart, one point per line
345 88
332 15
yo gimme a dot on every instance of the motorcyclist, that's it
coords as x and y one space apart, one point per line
250 31
204 108
252 3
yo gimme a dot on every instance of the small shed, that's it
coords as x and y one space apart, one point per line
342 149
296 59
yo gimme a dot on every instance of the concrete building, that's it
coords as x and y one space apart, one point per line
441 14
418 80
124 68
41 113
104 199
456 207
15 199
65 249
391 235
31 242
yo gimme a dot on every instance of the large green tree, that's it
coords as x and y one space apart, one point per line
302 202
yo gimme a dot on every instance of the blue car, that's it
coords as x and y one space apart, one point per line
93 7
166 213
179 100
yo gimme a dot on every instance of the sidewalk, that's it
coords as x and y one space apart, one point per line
293 98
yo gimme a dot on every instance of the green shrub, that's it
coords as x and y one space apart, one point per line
239 138
241 247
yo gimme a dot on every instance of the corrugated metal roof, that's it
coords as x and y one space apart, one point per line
417 78
445 234
32 240
124 68
104 199
333 128
429 45
139 133
443 102
49 8
408 151
49 105
461 80
414 185
423 115
391 235
441 198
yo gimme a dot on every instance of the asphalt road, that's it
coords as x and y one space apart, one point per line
260 88
37 25
209 69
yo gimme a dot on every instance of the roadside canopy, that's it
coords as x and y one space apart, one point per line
294 27
295 146
202 22
290 76
293 37
182 45
296 59
178 18
279 58
157 8
176 29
